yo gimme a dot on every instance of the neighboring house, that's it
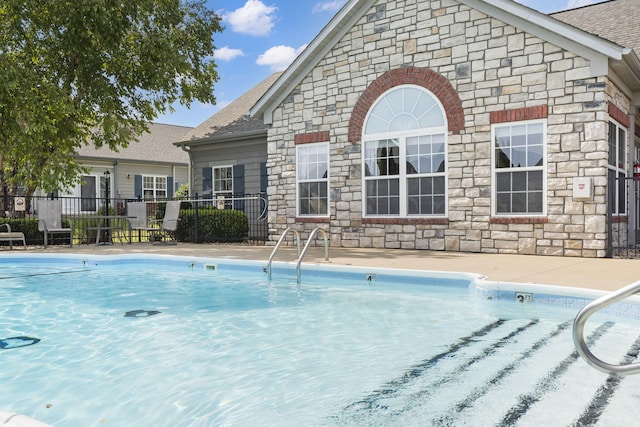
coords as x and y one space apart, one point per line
469 125
150 168
228 151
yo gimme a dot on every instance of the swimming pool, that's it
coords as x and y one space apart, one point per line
178 341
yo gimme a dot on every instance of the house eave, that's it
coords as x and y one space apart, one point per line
223 138
112 160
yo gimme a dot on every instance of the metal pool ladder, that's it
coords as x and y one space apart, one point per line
280 240
304 251
581 320
300 256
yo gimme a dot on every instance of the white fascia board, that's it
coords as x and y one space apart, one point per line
339 25
580 42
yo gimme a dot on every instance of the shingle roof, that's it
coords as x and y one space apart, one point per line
614 20
154 146
234 118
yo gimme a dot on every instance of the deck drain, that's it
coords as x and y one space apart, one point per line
141 313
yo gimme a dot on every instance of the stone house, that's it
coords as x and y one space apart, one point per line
460 125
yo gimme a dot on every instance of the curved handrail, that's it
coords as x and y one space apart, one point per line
280 240
306 246
581 320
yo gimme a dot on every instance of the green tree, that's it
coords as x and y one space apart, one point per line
76 72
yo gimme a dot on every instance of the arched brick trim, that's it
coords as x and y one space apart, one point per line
424 77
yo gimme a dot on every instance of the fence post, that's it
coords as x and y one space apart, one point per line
196 222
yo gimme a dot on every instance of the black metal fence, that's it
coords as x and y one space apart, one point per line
237 218
623 217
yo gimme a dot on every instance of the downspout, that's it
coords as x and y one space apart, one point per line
114 184
632 221
188 151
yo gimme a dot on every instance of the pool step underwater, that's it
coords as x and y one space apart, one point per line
507 373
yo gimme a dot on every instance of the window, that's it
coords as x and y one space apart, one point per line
405 155
618 168
90 193
312 176
222 181
519 175
154 187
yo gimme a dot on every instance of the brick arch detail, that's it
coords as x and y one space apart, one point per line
424 77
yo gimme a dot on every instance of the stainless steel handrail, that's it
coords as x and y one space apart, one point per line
280 240
306 246
581 320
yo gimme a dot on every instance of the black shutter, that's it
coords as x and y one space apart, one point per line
207 182
137 187
169 187
238 186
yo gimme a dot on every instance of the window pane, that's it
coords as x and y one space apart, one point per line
503 201
613 149
517 147
383 197
622 157
312 174
519 202
503 182
534 181
535 202
402 109
519 181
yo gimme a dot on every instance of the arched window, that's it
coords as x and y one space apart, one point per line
404 155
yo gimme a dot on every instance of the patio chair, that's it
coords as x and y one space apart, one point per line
50 220
12 236
137 211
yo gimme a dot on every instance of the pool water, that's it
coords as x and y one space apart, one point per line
168 344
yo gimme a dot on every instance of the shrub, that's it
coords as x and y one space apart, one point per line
214 225
29 226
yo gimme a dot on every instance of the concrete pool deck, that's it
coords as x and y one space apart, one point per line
589 273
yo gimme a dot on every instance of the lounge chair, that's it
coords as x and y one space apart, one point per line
137 211
50 220
12 236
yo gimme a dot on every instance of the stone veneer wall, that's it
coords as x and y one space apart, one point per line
492 67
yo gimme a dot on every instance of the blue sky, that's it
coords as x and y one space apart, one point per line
264 36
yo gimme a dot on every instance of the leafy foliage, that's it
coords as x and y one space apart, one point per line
76 72
214 225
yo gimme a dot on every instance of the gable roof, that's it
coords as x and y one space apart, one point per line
155 146
614 20
602 53
233 119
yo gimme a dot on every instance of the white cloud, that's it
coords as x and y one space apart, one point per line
227 54
280 57
254 18
328 6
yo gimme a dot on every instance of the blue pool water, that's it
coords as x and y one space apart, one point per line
175 341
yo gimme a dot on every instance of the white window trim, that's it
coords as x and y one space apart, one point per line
214 193
544 169
618 170
327 180
155 189
402 137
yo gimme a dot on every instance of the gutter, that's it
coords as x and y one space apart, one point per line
217 139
